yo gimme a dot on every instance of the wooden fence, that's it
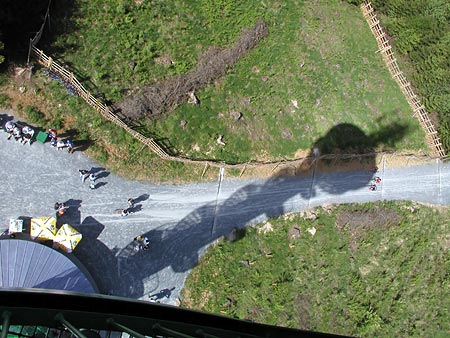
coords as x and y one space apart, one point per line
385 48
102 108
108 113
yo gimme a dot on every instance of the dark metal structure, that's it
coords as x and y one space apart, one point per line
29 264
62 314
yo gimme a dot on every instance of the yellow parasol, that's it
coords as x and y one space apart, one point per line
67 238
43 227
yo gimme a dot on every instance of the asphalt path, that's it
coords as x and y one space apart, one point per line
181 221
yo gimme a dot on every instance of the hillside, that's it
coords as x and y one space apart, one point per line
360 270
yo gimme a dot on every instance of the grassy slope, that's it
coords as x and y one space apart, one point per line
420 34
384 274
342 79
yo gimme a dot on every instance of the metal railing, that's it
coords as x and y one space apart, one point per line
87 315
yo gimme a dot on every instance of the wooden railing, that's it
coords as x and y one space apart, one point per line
102 108
385 48
109 114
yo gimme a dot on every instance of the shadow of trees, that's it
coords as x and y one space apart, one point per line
20 20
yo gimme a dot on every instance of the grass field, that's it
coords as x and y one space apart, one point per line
316 69
368 270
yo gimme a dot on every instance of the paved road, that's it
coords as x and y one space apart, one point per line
180 221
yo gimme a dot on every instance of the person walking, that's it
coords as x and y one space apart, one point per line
69 145
27 133
52 133
142 242
92 181
83 174
125 212
60 208
9 127
17 133
131 203
60 145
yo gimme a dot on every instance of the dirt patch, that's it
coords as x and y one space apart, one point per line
28 98
358 222
302 305
377 217
306 166
188 302
204 299
299 153
165 96
403 159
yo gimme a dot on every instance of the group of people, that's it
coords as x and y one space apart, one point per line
24 135
21 134
142 242
59 144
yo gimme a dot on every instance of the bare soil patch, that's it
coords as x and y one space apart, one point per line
164 96
358 222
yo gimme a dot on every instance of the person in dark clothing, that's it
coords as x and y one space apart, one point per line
143 242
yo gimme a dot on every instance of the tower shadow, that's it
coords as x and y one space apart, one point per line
179 245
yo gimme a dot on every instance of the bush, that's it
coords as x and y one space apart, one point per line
57 122
5 101
35 115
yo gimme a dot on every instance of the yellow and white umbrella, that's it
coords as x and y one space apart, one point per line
67 238
43 228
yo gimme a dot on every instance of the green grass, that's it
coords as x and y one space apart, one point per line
370 270
5 101
342 79
109 144
420 34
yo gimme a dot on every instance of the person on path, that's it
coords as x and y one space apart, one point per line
28 133
17 134
52 133
131 203
69 145
53 137
143 242
9 127
60 208
92 181
125 212
60 145
54 142
83 174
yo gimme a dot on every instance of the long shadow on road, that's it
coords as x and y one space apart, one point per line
178 246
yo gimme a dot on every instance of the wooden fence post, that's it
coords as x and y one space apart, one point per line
385 49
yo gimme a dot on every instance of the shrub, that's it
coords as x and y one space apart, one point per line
57 122
35 115
5 101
